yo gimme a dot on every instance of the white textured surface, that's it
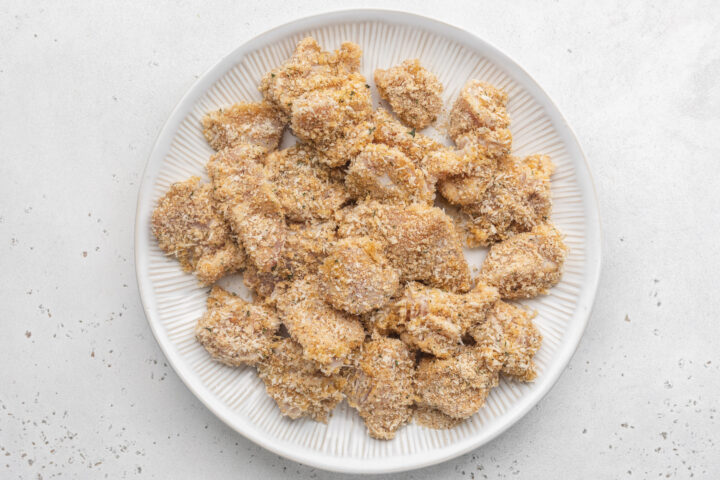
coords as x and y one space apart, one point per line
87 88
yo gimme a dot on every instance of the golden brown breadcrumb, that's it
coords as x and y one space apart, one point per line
306 188
433 418
527 264
517 199
296 385
392 133
456 386
435 321
419 240
329 337
508 341
380 387
259 124
188 225
479 105
412 91
386 174
356 277
235 332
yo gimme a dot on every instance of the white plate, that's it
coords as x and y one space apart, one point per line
173 300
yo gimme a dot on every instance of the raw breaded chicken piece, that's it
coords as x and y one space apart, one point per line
329 337
380 387
328 102
517 199
526 265
356 277
432 418
456 386
419 240
260 124
466 177
188 225
303 248
435 321
306 188
479 105
296 385
508 341
384 173
236 332
392 133
412 91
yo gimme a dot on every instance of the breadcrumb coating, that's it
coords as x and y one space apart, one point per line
328 102
329 337
188 226
259 124
412 91
508 341
386 174
306 189
517 199
435 321
419 240
526 265
356 277
432 418
235 332
381 388
467 176
479 105
456 386
296 385
392 133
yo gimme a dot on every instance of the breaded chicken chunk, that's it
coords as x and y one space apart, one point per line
386 174
418 240
329 337
306 188
392 133
466 178
435 321
303 248
260 124
296 385
479 105
508 341
412 91
380 387
526 265
456 386
189 226
356 277
328 102
236 332
517 199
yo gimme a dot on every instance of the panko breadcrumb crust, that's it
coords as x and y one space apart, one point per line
361 289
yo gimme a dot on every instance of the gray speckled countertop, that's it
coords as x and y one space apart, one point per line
84 89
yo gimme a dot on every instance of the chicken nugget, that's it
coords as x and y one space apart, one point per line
414 145
296 385
412 91
235 332
380 387
386 174
432 418
329 337
189 226
526 265
479 105
456 386
260 124
508 341
419 240
356 277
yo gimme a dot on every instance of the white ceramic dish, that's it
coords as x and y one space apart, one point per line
174 301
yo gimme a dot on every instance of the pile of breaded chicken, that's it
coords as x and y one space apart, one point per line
361 290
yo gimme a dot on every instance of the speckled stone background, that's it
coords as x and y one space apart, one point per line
85 88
